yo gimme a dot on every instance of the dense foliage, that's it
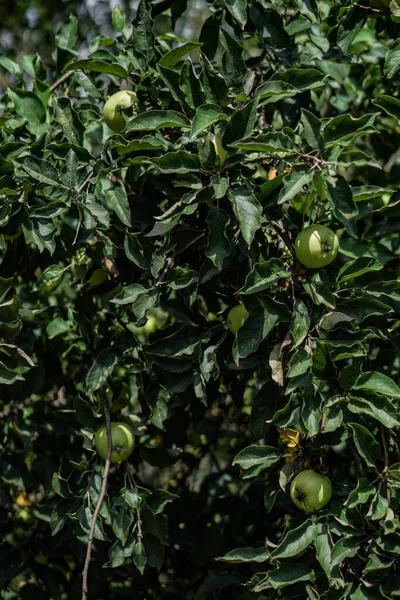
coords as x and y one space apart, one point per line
122 255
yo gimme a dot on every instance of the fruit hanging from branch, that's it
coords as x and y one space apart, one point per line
122 441
114 106
237 317
310 490
316 246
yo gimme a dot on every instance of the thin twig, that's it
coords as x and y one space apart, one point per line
386 467
61 80
369 8
99 504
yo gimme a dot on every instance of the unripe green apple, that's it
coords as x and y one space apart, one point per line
310 491
236 317
316 246
122 441
113 109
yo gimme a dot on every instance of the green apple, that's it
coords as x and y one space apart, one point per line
316 246
112 110
310 490
122 441
151 325
236 317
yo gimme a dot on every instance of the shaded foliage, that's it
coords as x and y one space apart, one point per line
287 114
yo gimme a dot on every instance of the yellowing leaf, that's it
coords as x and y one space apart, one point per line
290 437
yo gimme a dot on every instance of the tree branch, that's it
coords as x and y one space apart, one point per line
369 8
61 80
99 504
386 467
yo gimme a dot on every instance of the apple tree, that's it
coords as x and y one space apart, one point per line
199 249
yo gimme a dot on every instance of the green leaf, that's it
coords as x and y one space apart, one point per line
58 327
302 79
101 369
68 118
344 208
118 19
357 268
263 275
392 60
241 123
209 35
378 508
378 383
312 129
178 53
344 128
67 35
368 192
256 459
288 573
323 547
309 8
160 409
361 248
218 246
215 87
299 363
377 407
158 119
40 170
139 556
389 104
177 162
238 10
248 212
206 115
122 519
98 66
245 555
298 176
256 328
361 493
118 202
353 20
142 41
366 444
234 69
295 541
27 105
276 144
158 500
11 66
300 323
180 343
344 548
134 250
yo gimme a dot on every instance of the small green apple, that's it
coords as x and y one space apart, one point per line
122 441
316 246
310 491
236 317
112 110
151 325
